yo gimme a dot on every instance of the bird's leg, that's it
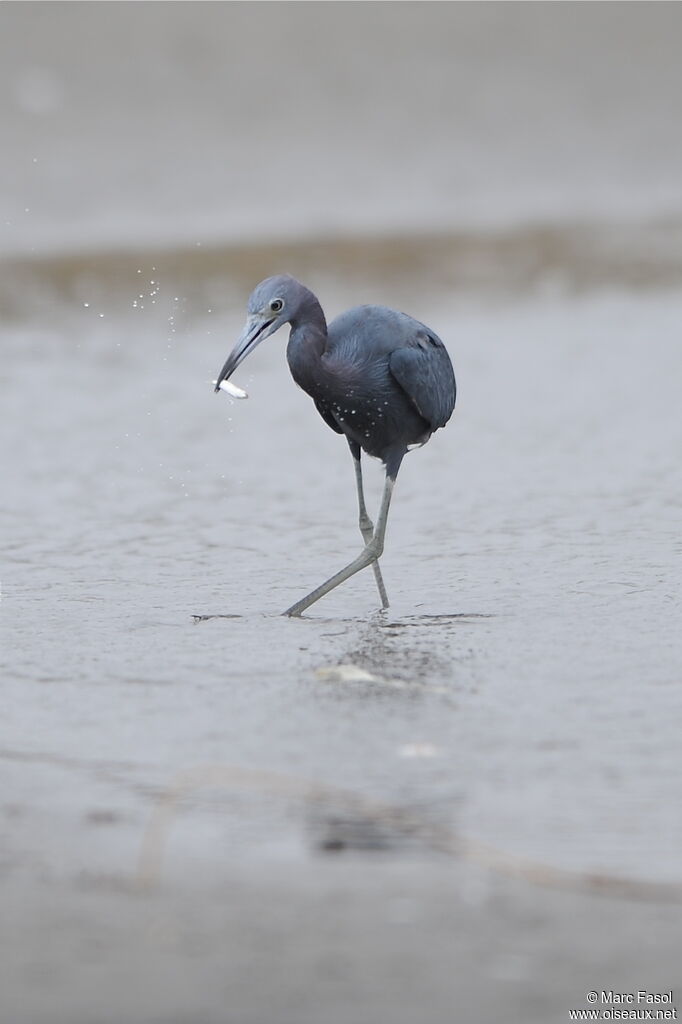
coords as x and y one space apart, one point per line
370 554
365 523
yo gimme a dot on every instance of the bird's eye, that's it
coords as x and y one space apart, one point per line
276 305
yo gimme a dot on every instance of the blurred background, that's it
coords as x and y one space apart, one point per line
467 806
136 128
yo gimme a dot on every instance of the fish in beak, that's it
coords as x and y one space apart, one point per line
256 329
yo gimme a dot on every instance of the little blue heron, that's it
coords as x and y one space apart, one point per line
377 376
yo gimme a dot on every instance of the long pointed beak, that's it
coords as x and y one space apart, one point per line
255 330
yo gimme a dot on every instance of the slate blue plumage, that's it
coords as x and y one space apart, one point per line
378 376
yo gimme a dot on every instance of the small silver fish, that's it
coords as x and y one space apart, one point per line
232 389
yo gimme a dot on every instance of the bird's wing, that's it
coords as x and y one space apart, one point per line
424 372
326 415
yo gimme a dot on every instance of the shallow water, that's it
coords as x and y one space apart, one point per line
531 562
516 708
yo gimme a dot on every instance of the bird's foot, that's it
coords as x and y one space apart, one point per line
205 618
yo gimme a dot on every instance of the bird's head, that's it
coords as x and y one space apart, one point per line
273 303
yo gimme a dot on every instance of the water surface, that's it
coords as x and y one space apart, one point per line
513 714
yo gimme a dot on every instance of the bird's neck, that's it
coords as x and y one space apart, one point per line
307 342
309 316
